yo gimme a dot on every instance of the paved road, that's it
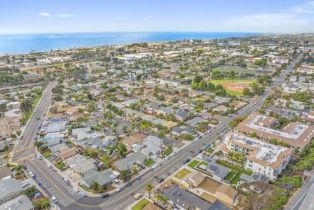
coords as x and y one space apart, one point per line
53 184
24 147
297 199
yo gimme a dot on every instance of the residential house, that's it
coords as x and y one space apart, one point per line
217 172
9 189
80 164
103 178
181 115
21 202
128 162
153 146
195 121
184 199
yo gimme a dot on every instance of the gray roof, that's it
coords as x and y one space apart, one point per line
216 169
19 203
128 162
185 199
254 177
55 125
9 186
182 114
217 205
183 129
103 178
195 121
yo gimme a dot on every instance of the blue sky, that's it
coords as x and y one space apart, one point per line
57 16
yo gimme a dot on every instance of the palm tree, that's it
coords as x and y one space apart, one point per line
149 187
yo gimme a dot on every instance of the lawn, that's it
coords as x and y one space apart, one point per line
233 87
182 173
234 167
60 165
47 154
193 163
236 69
167 152
230 175
140 205
149 162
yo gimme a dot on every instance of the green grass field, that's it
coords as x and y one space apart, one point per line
233 87
182 173
140 205
236 69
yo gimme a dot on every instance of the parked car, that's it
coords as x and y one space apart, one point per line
105 195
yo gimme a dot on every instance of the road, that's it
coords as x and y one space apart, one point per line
53 184
297 199
25 144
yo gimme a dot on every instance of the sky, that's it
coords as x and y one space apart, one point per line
62 16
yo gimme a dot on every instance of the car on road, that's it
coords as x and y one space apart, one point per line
155 165
186 161
160 180
82 194
25 185
39 157
138 196
54 199
75 189
105 195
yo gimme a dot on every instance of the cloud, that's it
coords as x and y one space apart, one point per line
45 14
305 8
65 15
270 22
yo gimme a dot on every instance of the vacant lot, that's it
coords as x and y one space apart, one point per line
233 87
140 205
182 173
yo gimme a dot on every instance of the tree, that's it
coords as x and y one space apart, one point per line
125 175
197 79
26 106
261 62
246 92
149 187
122 150
41 203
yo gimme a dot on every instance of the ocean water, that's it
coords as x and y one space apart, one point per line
24 43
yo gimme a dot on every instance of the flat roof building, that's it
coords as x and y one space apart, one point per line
294 134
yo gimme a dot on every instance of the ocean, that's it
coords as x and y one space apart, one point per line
25 43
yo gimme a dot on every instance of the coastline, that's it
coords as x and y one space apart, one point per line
14 44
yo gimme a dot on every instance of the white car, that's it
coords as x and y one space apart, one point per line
75 189
54 199
39 157
155 165
82 194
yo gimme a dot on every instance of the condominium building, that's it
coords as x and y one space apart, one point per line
261 157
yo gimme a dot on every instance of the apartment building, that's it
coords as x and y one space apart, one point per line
294 134
261 157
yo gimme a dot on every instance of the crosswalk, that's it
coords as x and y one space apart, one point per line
23 149
25 158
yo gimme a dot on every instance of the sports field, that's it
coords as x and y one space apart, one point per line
233 87
236 69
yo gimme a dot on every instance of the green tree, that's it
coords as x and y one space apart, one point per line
26 106
149 187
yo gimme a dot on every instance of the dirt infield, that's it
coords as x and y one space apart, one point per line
234 87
